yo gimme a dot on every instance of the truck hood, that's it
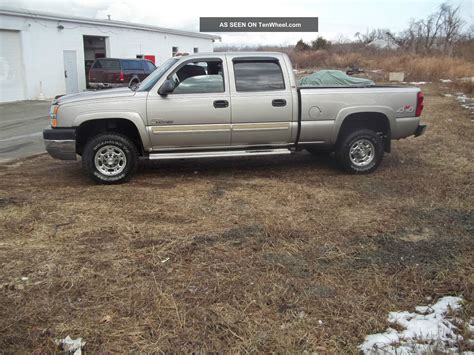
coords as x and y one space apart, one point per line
94 95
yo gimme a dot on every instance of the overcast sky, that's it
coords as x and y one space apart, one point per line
337 18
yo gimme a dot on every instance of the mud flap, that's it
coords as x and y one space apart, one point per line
387 144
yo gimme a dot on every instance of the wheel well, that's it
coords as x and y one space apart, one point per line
90 129
375 121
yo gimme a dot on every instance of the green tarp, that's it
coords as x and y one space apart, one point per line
333 78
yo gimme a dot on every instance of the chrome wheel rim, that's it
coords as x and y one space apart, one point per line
362 152
110 160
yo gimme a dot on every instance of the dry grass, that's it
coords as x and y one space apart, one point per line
270 254
424 68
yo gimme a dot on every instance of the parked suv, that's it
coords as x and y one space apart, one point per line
112 73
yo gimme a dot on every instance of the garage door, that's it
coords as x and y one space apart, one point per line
11 67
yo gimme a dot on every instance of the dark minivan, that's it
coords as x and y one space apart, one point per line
114 72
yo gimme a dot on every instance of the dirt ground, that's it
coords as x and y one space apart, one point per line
263 254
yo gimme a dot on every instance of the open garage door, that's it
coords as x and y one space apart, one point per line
12 85
94 48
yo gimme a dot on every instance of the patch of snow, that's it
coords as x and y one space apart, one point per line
427 329
465 102
446 80
71 346
419 82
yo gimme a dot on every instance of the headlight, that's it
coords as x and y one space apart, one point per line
53 114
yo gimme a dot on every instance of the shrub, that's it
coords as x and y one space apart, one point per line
301 46
320 43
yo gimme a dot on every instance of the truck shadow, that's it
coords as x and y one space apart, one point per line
257 166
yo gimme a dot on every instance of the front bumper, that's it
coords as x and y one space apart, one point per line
420 130
60 143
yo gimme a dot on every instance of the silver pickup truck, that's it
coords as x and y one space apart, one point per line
228 105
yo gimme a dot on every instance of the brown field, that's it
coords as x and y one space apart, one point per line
416 67
264 254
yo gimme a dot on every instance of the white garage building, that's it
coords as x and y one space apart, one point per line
43 54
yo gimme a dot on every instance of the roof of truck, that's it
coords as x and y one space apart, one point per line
122 59
243 54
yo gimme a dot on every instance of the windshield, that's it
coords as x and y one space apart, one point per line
151 79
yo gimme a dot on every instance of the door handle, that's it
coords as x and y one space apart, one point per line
65 73
221 103
279 102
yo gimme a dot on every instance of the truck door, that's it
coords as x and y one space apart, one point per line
197 113
262 104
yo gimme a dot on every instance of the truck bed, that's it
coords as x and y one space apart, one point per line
322 108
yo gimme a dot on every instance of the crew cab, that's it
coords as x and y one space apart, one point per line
228 105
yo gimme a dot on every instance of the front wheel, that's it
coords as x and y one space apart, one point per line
360 152
110 158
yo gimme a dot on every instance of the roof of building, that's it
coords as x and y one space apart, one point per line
110 23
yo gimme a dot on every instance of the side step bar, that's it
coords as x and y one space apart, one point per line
218 154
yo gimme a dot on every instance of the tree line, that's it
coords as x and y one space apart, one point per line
439 32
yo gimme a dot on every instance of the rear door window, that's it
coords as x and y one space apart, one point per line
258 76
149 67
131 65
97 65
110 64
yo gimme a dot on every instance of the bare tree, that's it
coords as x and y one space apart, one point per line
372 35
432 27
438 31
451 27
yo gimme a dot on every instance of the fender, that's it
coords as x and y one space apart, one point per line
342 115
132 116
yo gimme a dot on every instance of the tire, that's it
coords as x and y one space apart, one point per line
360 152
110 158
134 81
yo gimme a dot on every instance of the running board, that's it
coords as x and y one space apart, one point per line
218 154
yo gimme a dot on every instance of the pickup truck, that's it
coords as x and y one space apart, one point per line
228 105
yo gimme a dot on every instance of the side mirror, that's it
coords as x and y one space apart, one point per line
133 85
166 88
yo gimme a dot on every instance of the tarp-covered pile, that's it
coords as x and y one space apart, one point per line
333 78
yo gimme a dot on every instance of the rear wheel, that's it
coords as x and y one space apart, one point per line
134 83
360 152
110 158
